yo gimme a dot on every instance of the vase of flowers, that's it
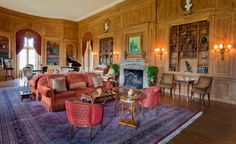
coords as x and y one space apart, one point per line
99 91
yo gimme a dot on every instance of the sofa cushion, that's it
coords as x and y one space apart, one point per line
58 84
89 78
77 85
97 81
50 78
75 78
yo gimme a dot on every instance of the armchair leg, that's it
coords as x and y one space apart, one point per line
171 92
156 110
208 95
192 95
101 127
142 111
71 131
90 132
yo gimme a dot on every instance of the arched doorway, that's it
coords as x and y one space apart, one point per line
28 48
87 51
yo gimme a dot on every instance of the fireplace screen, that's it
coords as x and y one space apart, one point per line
133 78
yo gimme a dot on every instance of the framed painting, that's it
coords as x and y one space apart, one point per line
53 48
135 44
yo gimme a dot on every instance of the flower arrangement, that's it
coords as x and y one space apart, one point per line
99 91
130 92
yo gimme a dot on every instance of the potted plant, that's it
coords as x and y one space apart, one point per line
152 72
116 68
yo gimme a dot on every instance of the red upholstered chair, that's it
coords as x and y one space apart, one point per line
84 115
150 98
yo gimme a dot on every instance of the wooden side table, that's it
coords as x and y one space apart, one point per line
25 94
131 109
184 82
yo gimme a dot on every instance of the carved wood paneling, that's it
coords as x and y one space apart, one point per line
70 32
224 90
5 24
223 31
53 31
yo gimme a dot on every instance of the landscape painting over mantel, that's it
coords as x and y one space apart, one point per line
135 44
52 53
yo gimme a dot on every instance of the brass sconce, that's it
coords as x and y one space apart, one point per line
222 49
116 53
160 52
94 53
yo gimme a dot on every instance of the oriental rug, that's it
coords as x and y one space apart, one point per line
28 122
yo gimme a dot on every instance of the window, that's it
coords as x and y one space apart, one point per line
28 54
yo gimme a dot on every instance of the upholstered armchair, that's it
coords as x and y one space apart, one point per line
150 98
84 115
167 81
202 87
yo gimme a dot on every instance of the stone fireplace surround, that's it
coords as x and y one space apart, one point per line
134 64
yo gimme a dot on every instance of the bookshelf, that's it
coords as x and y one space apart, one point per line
189 42
106 51
4 49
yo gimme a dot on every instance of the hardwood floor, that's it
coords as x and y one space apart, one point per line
217 125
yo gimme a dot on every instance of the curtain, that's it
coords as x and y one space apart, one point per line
88 57
21 34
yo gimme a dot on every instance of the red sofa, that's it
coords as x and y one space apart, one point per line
55 101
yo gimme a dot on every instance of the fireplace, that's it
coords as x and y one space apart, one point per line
133 74
133 78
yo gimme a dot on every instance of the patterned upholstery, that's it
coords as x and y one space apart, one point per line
202 87
84 114
89 78
150 98
167 82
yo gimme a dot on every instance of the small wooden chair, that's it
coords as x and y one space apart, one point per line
167 81
203 87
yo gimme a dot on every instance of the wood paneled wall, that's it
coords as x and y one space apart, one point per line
158 16
66 32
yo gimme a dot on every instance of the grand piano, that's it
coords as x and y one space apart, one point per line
75 65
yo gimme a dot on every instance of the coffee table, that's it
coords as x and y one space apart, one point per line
132 101
94 97
25 93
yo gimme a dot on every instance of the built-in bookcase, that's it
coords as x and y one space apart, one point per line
189 42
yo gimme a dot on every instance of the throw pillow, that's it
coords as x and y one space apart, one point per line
77 85
97 81
59 84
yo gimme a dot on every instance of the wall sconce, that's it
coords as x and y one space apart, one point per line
222 49
160 52
94 53
116 53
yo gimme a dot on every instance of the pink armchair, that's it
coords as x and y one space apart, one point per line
150 98
84 115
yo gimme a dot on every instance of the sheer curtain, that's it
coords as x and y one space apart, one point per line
88 57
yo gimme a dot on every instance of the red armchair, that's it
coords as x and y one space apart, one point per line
150 98
84 115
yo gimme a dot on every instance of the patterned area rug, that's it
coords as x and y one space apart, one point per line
29 122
